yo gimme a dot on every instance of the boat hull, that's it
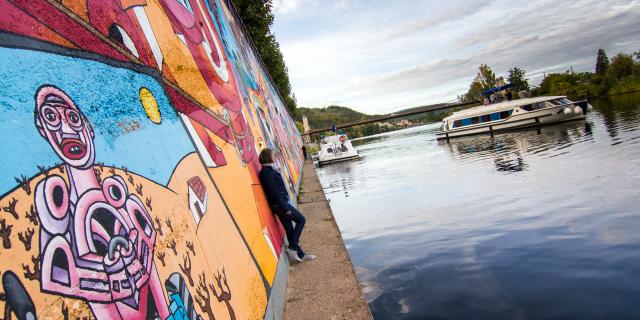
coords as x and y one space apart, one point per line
334 160
518 121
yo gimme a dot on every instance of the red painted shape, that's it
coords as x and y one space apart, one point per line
198 187
105 13
17 21
196 113
70 29
214 152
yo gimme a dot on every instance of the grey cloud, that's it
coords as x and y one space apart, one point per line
540 37
450 14
419 75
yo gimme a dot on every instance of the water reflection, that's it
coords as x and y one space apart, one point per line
534 224
508 150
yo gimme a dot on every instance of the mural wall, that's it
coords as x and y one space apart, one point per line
129 180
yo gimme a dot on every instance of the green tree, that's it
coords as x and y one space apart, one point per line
485 79
602 62
572 84
257 17
475 89
621 66
517 79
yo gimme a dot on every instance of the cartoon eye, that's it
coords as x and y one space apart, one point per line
51 115
73 118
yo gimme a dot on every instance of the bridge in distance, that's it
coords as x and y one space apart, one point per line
411 112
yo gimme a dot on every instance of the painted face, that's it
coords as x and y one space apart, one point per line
65 127
100 246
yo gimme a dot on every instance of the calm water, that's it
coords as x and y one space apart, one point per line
538 224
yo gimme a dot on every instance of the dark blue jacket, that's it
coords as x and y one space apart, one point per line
274 187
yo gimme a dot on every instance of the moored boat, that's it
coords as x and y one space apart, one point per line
335 149
510 115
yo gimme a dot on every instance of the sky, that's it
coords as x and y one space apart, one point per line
384 56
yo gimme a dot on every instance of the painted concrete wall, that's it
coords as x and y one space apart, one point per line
130 134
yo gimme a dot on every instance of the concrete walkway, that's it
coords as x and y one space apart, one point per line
325 288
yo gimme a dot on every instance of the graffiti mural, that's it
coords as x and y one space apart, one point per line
129 184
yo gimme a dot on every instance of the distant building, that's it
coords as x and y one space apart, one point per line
405 123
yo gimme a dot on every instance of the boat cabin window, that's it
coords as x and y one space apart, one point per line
505 114
533 106
481 119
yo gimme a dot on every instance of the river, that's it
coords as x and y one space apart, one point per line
534 224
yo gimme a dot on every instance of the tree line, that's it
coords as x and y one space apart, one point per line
618 75
325 117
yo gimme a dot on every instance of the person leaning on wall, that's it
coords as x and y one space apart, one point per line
278 199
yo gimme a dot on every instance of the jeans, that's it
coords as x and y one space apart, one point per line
293 233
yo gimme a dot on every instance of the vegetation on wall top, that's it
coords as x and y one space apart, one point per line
257 17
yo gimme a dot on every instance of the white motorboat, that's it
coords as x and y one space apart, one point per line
335 149
510 115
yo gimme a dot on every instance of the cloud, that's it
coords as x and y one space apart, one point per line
287 6
375 56
448 15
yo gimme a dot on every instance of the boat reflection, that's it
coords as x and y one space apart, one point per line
508 151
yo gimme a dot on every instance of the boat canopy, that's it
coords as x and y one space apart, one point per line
496 89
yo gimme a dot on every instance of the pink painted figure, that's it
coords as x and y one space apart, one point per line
97 240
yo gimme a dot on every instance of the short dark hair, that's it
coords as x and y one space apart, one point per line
266 156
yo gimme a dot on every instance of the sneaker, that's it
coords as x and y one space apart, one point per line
293 255
307 257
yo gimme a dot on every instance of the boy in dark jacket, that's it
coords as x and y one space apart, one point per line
278 198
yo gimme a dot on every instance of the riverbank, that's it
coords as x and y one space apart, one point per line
325 288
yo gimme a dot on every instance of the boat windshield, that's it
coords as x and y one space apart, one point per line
561 101
565 101
535 106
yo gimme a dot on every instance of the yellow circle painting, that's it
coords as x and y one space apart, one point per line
150 105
